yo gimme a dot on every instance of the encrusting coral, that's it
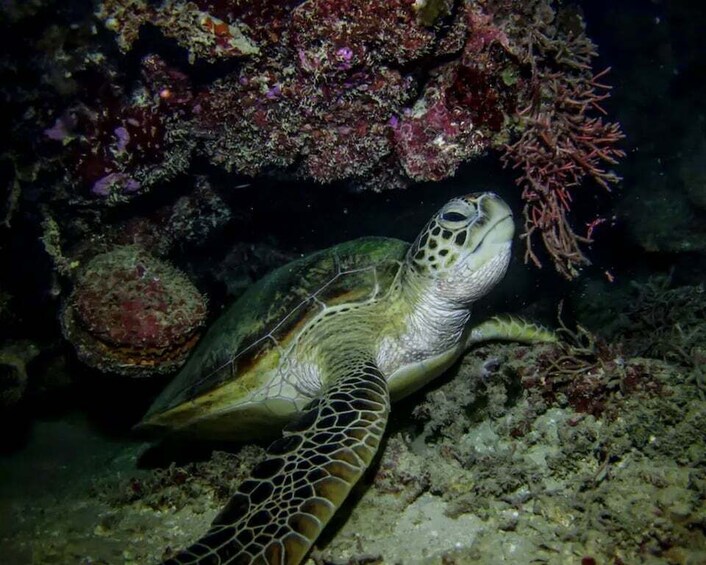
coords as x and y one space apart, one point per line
131 313
373 94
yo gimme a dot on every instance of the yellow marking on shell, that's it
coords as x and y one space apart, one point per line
221 398
258 364
346 297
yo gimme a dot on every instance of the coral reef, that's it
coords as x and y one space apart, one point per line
346 113
117 145
186 222
201 33
372 94
666 322
588 451
653 318
584 372
133 314
560 146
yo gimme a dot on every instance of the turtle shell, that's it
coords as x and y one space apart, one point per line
245 344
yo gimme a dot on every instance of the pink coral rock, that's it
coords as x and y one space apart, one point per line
133 314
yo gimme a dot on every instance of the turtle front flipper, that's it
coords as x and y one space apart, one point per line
277 514
510 328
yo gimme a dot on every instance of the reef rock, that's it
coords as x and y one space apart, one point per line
133 314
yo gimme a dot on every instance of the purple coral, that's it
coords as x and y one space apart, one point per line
345 55
273 92
123 137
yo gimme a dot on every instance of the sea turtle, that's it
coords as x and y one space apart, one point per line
322 346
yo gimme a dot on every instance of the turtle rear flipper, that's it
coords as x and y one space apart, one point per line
277 514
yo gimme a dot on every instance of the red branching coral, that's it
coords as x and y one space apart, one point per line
585 372
562 143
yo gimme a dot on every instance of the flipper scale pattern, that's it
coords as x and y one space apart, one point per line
278 512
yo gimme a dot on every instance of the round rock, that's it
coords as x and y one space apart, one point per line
133 314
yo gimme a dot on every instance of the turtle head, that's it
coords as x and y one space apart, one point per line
465 247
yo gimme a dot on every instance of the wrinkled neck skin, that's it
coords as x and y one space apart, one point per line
436 315
428 324
437 309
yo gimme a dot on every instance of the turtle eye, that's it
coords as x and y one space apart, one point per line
454 217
